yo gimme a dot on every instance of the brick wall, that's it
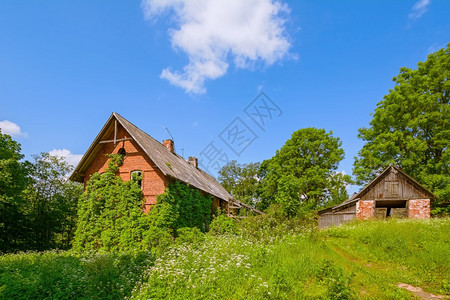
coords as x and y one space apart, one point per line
365 209
153 181
419 208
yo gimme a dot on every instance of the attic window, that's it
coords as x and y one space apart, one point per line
122 152
137 177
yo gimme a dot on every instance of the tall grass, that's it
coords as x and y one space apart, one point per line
417 250
264 259
62 275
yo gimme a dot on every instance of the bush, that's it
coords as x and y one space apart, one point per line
188 235
223 225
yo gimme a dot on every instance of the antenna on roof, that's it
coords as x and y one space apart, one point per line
167 129
169 133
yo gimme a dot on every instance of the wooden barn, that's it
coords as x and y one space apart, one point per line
156 162
392 194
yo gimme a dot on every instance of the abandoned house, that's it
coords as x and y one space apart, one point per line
157 164
392 194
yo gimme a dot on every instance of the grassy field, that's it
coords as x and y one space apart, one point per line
264 260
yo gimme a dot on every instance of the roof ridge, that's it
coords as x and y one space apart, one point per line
170 162
140 130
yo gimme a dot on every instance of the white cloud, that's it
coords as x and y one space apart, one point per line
11 129
419 8
213 32
71 159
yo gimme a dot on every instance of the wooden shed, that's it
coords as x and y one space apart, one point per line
393 194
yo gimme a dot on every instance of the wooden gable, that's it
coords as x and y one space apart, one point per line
394 184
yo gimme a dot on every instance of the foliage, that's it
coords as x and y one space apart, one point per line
63 275
13 180
51 203
190 235
240 180
37 203
182 206
269 258
110 213
411 127
419 249
302 171
111 218
223 225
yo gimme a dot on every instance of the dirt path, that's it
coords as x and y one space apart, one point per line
417 291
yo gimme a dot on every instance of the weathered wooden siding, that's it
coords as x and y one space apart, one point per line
392 187
335 219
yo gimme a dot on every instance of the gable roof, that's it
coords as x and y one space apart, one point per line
388 170
170 164
356 196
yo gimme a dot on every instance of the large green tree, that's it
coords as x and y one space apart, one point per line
241 180
410 127
51 203
13 180
302 172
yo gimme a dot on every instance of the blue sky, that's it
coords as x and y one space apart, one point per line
195 66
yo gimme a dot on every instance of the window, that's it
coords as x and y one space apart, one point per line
122 152
137 177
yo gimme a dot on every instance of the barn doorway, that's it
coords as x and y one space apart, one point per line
391 209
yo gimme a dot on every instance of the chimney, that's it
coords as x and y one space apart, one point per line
193 161
169 145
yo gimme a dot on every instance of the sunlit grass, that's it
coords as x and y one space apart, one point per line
268 261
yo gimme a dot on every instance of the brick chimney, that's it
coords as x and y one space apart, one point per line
169 145
193 161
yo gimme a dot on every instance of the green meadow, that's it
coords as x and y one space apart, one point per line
260 258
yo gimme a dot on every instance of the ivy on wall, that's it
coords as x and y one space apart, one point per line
110 216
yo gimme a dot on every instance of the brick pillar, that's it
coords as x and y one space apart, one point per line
365 209
419 208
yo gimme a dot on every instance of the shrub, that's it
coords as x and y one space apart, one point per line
223 225
190 235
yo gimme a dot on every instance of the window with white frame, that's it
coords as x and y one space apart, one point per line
137 177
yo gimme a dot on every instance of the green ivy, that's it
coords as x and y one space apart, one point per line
110 216
182 206
110 213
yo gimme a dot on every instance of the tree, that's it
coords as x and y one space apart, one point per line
410 127
241 180
51 203
13 180
302 171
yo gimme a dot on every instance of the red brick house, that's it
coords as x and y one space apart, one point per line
158 163
392 194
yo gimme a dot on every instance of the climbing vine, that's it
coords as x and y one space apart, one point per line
110 216
187 207
110 213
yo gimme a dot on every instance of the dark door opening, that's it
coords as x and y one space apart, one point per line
391 208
